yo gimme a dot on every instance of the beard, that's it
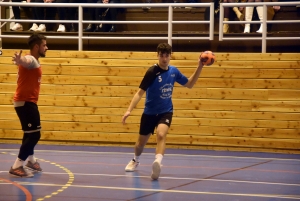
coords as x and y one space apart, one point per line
42 54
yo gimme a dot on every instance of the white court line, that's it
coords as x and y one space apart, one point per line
181 155
173 178
168 191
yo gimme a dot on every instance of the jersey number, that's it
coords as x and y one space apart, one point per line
159 79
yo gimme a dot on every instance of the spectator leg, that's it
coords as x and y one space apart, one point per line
248 18
259 10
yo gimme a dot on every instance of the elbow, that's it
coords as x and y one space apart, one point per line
189 86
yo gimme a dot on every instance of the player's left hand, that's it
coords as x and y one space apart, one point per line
17 58
127 113
201 60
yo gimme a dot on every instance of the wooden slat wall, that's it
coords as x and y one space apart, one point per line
244 101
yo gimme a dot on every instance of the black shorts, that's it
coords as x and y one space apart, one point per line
150 122
29 116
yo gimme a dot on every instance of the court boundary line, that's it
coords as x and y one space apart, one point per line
64 187
172 178
186 155
18 185
171 191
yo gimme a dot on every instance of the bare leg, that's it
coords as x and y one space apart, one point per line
140 144
161 135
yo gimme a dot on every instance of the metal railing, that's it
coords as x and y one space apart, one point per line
264 22
80 20
169 22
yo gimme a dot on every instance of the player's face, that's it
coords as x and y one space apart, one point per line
163 60
43 48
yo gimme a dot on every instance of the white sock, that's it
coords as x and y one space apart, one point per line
31 158
159 157
17 163
136 158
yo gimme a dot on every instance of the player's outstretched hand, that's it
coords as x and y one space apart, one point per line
17 58
127 113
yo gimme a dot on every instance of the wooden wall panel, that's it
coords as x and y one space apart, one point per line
242 102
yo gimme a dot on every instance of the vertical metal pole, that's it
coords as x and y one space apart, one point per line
170 25
212 20
0 27
221 22
264 31
80 29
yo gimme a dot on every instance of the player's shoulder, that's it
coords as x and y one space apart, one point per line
153 69
173 68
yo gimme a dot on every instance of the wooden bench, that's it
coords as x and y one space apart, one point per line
244 101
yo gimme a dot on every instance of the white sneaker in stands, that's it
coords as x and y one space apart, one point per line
156 168
34 27
42 28
61 28
17 27
131 166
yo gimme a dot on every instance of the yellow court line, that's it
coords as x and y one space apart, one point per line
182 155
65 186
172 191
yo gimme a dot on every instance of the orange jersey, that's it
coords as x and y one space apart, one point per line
28 84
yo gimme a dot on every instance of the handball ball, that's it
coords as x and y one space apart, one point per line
207 58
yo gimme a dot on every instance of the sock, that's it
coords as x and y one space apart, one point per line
18 163
159 157
136 158
31 158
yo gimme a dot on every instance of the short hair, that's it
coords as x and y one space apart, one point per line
164 48
35 39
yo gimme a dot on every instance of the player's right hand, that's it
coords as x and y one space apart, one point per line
127 113
17 58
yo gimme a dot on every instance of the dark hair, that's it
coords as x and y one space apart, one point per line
35 39
164 48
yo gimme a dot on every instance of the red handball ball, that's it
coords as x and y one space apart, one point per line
207 58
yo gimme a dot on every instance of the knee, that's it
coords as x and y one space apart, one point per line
34 137
160 136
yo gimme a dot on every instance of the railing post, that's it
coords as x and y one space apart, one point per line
212 20
221 16
0 27
264 31
80 27
170 27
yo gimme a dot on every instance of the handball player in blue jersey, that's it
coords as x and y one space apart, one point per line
158 84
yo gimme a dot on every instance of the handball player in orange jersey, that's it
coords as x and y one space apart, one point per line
25 103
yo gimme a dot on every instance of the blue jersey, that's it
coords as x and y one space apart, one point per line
159 84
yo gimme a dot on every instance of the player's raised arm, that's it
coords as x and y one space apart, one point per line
18 59
205 58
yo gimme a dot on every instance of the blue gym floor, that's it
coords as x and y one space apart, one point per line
97 173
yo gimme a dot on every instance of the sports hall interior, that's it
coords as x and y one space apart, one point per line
247 101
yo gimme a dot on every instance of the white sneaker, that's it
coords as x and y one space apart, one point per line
132 165
42 28
61 28
34 27
156 168
17 27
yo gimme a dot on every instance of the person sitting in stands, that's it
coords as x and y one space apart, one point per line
104 14
236 10
249 14
17 15
68 13
39 14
